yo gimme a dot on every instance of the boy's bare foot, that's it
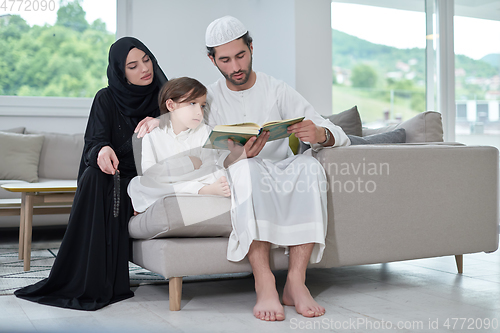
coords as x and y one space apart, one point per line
268 306
219 187
296 293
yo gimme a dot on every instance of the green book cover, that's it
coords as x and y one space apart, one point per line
241 133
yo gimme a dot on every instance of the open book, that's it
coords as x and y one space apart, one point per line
241 133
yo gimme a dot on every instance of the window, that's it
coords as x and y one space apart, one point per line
477 79
379 61
59 51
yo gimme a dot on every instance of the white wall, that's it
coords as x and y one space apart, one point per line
47 114
292 39
313 67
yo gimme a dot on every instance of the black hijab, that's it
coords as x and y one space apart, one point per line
132 100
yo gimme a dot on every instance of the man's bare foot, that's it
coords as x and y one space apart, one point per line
219 187
296 293
268 306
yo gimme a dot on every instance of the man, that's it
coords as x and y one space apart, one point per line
269 208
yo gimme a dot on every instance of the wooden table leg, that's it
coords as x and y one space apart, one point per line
22 226
28 218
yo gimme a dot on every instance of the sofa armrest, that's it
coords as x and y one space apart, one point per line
398 202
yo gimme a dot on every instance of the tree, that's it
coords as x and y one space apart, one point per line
72 15
363 76
13 27
53 60
98 25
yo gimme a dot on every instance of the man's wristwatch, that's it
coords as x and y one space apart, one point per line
327 134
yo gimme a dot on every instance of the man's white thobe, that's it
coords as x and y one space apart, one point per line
276 197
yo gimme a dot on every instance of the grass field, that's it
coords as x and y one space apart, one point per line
371 108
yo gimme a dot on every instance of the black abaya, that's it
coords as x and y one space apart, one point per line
91 268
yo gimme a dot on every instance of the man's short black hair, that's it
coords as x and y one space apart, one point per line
246 39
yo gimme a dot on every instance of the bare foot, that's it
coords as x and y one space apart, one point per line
268 306
219 187
296 293
135 213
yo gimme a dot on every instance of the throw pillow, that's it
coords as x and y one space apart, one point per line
397 136
60 155
19 130
424 127
20 154
349 121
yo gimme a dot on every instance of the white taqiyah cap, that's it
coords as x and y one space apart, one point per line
224 30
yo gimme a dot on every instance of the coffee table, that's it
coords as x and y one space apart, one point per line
48 196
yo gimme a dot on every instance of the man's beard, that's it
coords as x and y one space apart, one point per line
246 75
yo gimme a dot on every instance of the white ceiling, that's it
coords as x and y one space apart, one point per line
484 9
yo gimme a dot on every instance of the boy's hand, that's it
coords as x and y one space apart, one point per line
196 162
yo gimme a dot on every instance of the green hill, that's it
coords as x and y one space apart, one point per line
348 50
493 59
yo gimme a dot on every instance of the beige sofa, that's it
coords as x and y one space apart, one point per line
386 203
36 157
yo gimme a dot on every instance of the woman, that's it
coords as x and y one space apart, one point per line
91 268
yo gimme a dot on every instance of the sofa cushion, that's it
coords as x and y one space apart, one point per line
19 130
424 127
60 155
396 136
19 156
349 121
183 215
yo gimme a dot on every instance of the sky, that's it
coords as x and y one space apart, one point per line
474 38
393 27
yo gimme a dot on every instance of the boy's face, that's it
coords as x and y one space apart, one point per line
189 114
234 61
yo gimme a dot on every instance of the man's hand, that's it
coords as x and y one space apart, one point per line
307 131
196 162
251 149
146 125
107 160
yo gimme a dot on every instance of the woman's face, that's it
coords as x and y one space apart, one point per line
138 68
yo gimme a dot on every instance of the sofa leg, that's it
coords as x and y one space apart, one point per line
175 293
460 263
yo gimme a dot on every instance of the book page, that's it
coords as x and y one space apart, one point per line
278 129
290 121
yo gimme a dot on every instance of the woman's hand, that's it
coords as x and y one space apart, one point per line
196 162
146 125
107 160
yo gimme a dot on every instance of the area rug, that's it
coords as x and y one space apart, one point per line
13 276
